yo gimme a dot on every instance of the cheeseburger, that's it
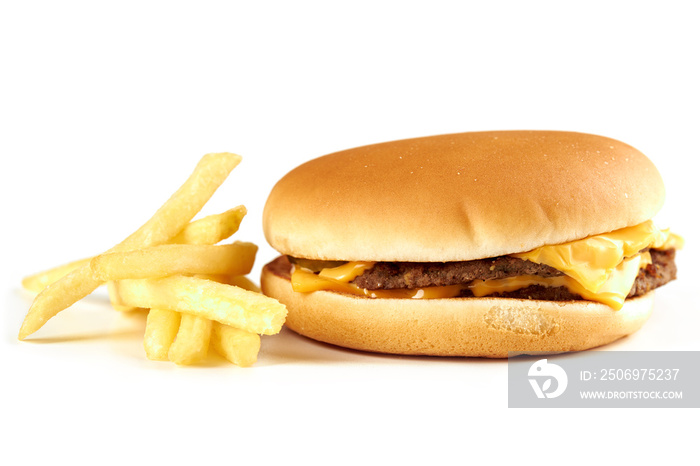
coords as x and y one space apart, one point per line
471 244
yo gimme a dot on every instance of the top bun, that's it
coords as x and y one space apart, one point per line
460 196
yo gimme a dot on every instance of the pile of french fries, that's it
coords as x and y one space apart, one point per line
194 289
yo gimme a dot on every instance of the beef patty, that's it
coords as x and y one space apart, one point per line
403 275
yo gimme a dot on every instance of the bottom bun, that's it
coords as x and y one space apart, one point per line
479 327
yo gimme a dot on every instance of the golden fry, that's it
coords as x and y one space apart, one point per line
115 300
161 328
192 341
167 222
243 282
211 229
238 346
171 259
41 280
208 230
235 280
184 204
223 303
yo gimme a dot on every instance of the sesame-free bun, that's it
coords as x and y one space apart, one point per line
480 327
460 196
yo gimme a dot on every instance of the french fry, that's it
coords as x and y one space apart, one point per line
243 282
208 230
167 222
192 341
115 300
223 303
235 280
211 229
238 346
161 328
171 259
185 203
37 282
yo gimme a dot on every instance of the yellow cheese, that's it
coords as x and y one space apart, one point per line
613 292
590 261
347 272
673 241
305 281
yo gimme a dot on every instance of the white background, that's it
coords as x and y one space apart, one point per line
105 109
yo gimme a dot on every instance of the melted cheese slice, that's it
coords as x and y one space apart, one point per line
346 272
613 292
591 261
305 281
599 268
